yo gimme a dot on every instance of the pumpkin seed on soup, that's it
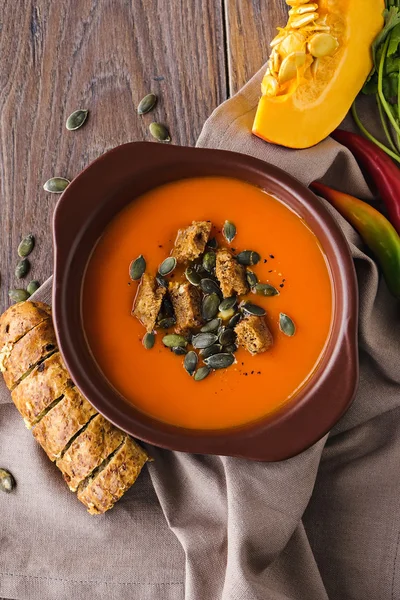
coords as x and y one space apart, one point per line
253 309
235 320
229 231
212 243
204 340
252 278
286 325
209 261
190 362
179 350
211 326
248 258
228 303
149 340
209 307
214 349
173 339
76 119
192 276
202 373
137 268
167 266
167 322
265 289
220 361
209 286
227 336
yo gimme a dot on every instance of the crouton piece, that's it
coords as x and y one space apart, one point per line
115 477
62 422
148 301
231 275
191 242
186 301
254 335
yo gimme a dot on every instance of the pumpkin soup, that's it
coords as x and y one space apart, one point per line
207 303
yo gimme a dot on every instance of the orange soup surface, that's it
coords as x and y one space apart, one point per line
155 380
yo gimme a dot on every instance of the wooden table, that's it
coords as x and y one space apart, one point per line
105 55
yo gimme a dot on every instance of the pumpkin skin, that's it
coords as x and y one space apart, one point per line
308 109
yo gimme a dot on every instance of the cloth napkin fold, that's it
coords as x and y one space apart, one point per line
322 525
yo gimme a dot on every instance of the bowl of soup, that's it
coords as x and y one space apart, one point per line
117 229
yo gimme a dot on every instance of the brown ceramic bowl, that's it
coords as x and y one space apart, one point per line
82 214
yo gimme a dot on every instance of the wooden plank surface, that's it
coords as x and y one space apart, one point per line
103 55
250 26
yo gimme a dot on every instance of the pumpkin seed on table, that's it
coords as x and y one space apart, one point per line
149 340
220 361
265 289
214 349
26 246
227 336
192 276
7 481
190 362
209 308
18 295
228 303
253 309
147 104
211 326
286 325
167 322
167 266
204 340
76 119
172 340
179 350
22 268
209 286
33 286
229 231
160 132
248 258
209 261
137 268
56 185
202 373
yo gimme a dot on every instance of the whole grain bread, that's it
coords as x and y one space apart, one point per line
254 335
230 274
20 318
191 242
148 301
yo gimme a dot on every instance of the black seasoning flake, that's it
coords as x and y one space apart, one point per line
258 372
160 245
270 271
252 372
242 364
129 283
283 280
271 256
265 260
281 285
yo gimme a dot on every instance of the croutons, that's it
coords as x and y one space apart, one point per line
148 301
231 275
254 335
191 242
186 301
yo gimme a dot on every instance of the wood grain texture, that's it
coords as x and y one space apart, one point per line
250 26
104 55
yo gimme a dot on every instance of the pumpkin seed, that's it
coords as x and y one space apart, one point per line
235 320
22 268
192 276
248 258
211 326
204 340
303 9
209 307
226 314
147 104
220 361
137 268
7 481
160 132
179 351
212 243
229 231
290 65
26 246
228 303
209 261
202 373
322 44
76 119
33 286
18 295
253 309
269 85
56 185
302 20
286 325
231 348
167 307
209 286
294 42
227 336
149 340
167 322
190 362
167 266
161 281
214 349
172 340
251 277
264 289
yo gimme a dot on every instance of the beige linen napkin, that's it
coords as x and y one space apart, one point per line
322 525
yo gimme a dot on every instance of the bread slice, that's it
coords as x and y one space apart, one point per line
88 450
230 274
27 352
186 301
148 301
19 319
56 429
102 490
34 395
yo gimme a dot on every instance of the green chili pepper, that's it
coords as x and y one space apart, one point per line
376 231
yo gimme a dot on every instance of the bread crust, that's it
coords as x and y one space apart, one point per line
191 242
230 274
20 318
253 334
186 301
148 301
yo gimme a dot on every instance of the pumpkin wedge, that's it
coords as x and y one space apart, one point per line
318 64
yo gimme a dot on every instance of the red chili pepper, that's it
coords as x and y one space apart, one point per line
379 166
376 231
